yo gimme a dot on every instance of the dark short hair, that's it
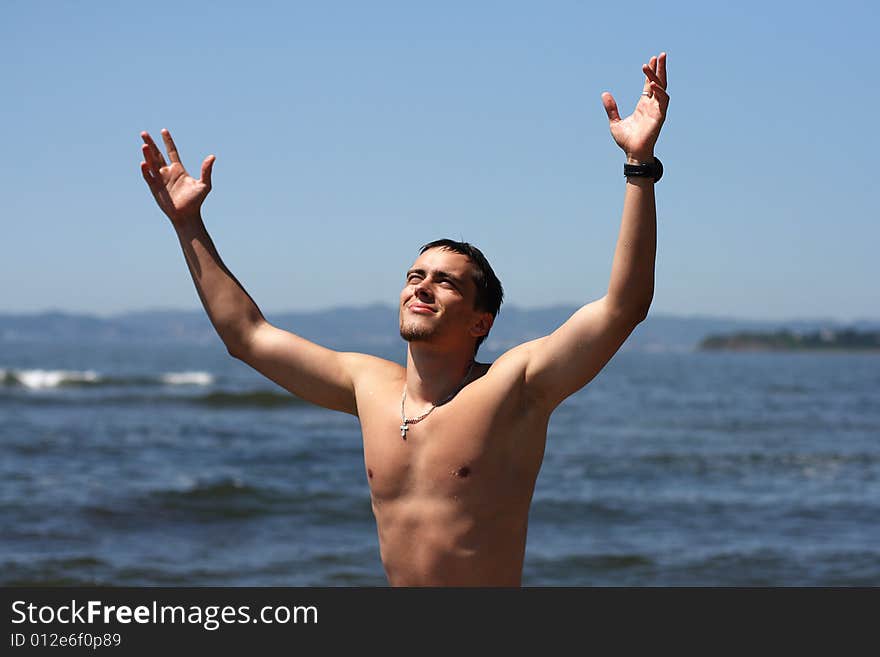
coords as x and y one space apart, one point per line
490 294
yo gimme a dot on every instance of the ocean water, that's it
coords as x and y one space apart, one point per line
150 464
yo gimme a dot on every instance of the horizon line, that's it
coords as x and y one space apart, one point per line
316 311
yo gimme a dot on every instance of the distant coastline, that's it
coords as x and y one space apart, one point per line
375 329
823 340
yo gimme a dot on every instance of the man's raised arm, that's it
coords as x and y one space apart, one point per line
566 360
316 374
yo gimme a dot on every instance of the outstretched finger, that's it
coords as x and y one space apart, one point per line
156 187
147 174
651 76
150 159
661 69
169 146
152 182
648 69
207 166
610 107
157 154
661 94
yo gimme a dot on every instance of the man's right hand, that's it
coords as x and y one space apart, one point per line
178 194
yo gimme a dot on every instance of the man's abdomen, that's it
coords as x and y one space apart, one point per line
429 541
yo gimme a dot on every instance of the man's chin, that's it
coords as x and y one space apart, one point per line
412 333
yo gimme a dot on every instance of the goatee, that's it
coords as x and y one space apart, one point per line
414 333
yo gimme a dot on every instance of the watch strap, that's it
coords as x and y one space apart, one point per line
652 170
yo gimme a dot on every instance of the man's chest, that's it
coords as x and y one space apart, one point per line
474 443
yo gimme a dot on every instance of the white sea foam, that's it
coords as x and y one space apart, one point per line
187 378
37 379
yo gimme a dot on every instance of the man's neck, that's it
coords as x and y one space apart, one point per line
432 375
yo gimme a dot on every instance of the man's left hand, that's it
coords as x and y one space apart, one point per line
637 133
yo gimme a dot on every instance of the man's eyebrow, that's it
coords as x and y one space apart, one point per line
438 274
446 275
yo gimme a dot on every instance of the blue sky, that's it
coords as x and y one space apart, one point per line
349 133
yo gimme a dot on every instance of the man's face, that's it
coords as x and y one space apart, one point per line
437 302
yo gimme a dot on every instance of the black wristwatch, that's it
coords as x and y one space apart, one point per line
653 170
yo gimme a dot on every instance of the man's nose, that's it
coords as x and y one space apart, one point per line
423 290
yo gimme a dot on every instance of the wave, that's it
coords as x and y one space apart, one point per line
38 379
185 385
746 460
187 379
55 571
228 498
250 398
555 509
601 561
592 569
253 398
265 399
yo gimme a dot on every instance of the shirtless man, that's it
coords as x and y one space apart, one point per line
452 447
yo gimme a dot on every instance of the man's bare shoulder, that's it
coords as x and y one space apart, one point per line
514 360
373 378
508 372
364 367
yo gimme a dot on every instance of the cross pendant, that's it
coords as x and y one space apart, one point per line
403 429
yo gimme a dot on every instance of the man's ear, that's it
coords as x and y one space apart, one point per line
482 326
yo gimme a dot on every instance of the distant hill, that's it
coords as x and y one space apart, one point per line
824 340
375 327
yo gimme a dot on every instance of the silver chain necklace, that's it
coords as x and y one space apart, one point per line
415 420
